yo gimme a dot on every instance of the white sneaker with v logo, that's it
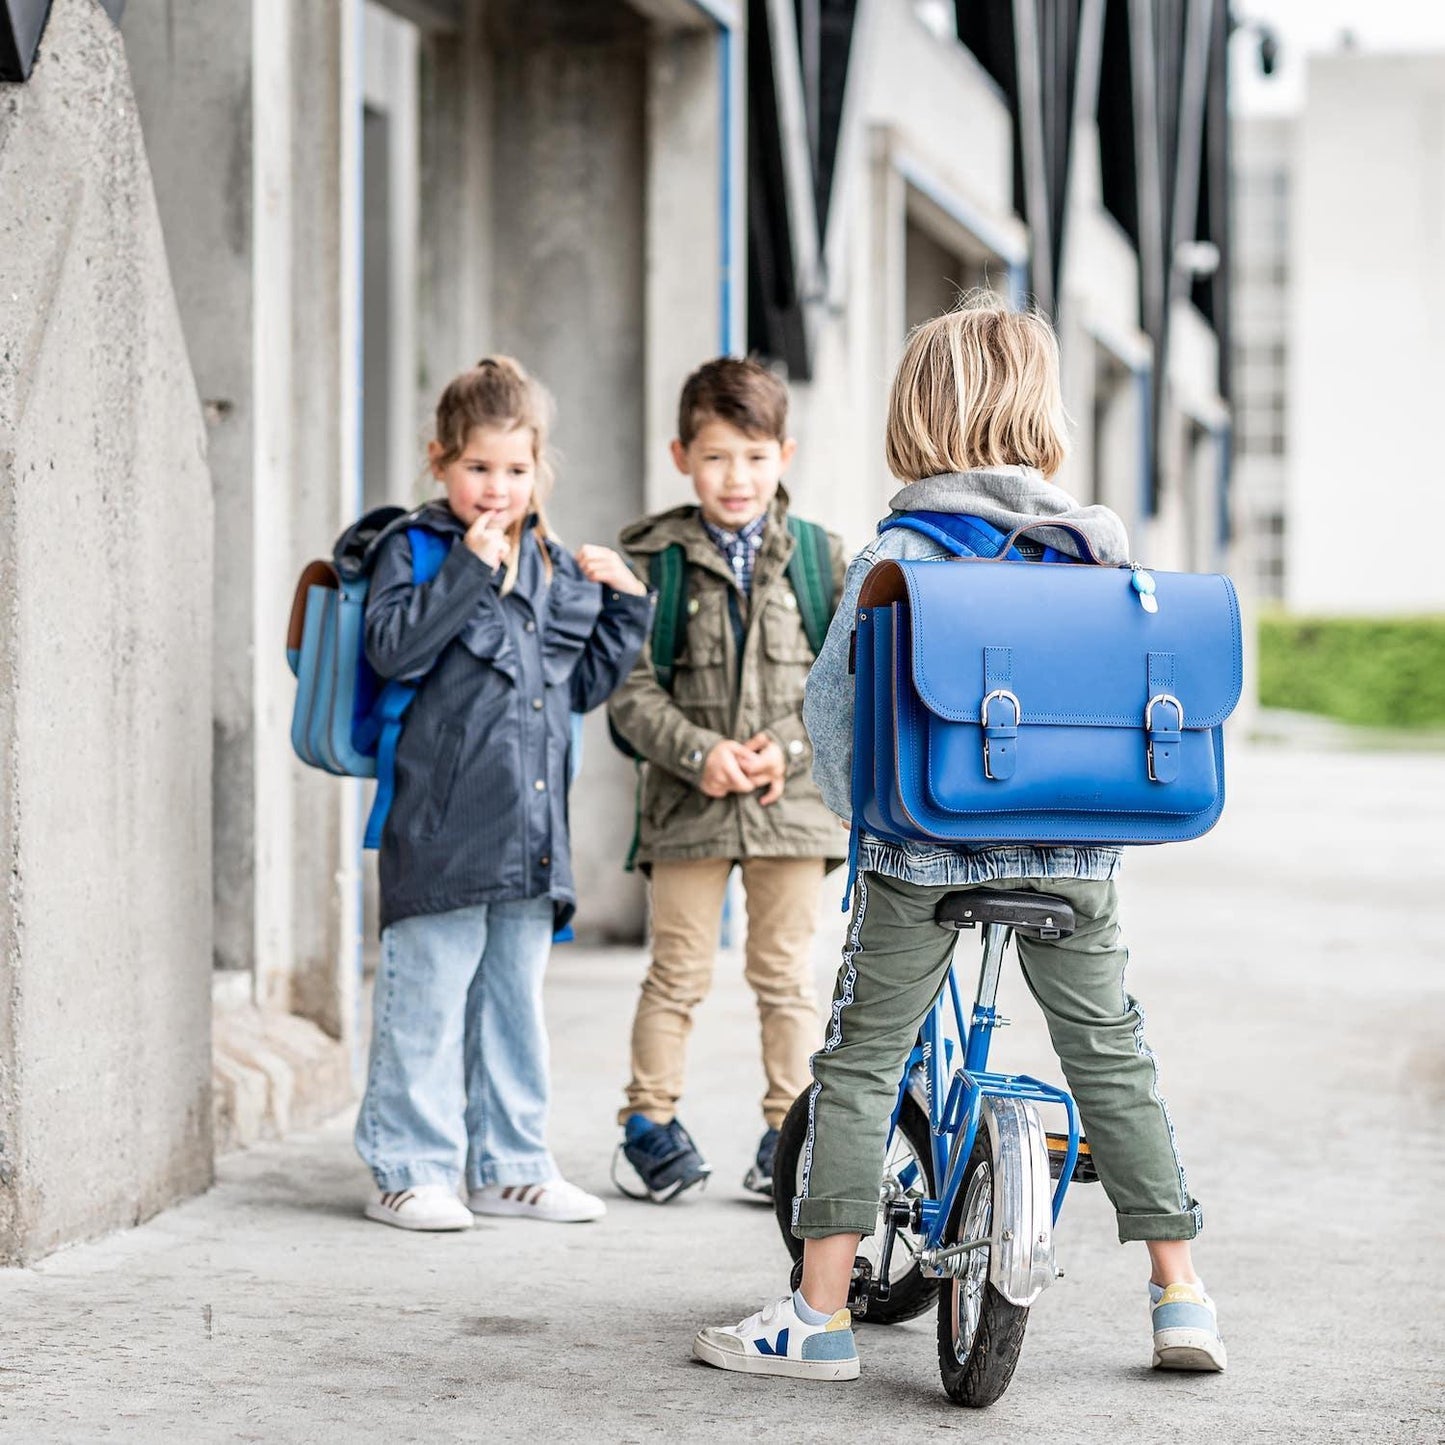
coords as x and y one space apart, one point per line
778 1341
554 1200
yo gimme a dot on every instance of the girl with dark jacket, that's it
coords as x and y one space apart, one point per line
511 637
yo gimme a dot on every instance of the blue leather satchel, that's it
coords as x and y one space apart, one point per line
1005 701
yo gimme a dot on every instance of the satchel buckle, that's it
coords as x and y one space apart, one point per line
1163 749
999 740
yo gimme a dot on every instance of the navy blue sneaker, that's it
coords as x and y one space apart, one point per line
664 1156
759 1179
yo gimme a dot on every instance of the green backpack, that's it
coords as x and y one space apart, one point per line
810 573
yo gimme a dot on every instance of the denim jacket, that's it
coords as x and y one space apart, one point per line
1006 497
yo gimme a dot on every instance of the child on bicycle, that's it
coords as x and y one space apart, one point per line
727 777
513 635
975 426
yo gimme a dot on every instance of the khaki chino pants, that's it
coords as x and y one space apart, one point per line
687 903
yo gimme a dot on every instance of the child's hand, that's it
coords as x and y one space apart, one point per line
765 766
722 770
487 539
602 564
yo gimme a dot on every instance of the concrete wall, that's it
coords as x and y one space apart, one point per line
1366 367
105 685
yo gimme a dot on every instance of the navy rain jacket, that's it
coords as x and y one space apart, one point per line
480 809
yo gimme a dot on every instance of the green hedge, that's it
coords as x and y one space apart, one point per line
1380 673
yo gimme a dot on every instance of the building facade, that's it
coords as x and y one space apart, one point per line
1332 370
356 200
1264 173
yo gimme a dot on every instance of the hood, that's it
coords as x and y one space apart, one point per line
1009 497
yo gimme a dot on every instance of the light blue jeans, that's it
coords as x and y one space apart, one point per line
459 1058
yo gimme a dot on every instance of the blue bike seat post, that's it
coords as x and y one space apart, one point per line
985 1018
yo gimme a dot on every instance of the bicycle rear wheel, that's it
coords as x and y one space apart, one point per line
908 1170
980 1333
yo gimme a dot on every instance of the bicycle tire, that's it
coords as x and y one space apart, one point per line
977 1370
910 1294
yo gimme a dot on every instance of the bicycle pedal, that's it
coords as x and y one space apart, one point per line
1084 1171
860 1288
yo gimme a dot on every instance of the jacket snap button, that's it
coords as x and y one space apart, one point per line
536 704
545 860
540 786
530 627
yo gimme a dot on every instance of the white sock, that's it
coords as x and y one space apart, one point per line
806 1312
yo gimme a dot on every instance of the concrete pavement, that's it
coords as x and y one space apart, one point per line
1293 966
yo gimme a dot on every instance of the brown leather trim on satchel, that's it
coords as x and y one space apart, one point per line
314 574
883 584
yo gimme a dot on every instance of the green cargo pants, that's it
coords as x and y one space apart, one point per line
893 966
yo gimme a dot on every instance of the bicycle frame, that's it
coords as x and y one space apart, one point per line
954 1122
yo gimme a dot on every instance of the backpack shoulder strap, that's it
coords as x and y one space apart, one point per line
810 571
428 552
963 536
966 536
668 574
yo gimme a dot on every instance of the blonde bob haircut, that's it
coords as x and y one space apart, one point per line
977 387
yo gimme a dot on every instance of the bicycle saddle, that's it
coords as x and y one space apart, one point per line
1040 915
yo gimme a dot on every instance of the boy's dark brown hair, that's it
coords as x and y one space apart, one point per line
741 393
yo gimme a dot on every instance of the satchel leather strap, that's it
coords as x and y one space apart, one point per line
1163 720
1086 547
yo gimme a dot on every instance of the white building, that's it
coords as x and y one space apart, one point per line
1339 313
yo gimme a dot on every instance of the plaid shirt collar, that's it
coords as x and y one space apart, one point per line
739 549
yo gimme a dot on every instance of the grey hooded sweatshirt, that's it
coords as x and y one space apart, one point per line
1005 497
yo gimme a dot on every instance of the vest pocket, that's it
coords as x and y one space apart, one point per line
784 639
443 776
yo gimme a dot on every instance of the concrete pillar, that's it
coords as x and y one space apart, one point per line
264 247
683 310
190 65
455 265
318 913
105 679
569 166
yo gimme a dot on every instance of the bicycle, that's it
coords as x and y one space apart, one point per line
987 1232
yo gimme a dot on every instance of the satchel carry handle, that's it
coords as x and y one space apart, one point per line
1086 547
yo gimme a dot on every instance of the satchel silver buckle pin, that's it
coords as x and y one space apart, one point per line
1003 695
1149 724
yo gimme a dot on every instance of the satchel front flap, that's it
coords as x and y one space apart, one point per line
1073 644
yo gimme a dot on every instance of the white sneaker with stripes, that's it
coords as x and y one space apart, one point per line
554 1200
427 1206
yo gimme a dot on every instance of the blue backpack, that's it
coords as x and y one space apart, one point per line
347 720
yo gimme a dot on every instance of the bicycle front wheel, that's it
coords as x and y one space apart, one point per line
980 1333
